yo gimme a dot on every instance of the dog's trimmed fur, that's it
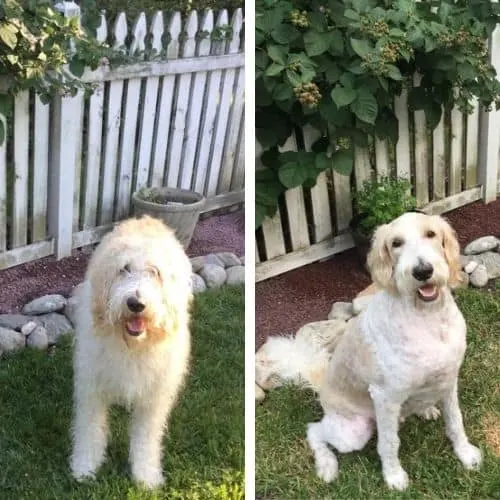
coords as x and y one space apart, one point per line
402 355
132 344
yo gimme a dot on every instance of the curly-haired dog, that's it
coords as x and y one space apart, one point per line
402 355
132 344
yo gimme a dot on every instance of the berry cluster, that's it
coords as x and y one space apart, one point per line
308 94
343 143
299 18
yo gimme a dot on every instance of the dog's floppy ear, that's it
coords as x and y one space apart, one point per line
379 260
451 249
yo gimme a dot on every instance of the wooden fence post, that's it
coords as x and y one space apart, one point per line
489 139
65 131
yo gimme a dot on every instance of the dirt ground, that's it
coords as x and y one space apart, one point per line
18 285
285 303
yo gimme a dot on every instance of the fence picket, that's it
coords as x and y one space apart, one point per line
20 199
196 105
159 169
150 97
343 201
403 145
382 160
78 106
421 155
362 166
439 161
177 135
238 178
457 138
40 170
272 231
236 109
471 146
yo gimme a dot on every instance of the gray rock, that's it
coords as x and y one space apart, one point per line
11 340
214 275
28 328
483 244
465 259
235 275
465 280
45 304
15 321
471 266
229 259
341 310
197 263
214 259
197 283
70 310
38 339
56 325
491 260
479 277
242 260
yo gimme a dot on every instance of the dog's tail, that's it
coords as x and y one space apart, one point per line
291 359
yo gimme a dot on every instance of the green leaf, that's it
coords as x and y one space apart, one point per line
336 43
261 59
293 174
316 43
285 34
417 98
77 67
277 53
322 162
8 35
394 72
361 47
343 162
282 92
433 112
360 5
342 96
352 15
365 107
274 69
2 132
293 77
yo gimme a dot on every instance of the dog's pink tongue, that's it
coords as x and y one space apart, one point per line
427 290
136 324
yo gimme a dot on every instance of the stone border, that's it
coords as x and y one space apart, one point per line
45 319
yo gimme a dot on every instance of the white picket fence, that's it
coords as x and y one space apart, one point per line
456 164
69 168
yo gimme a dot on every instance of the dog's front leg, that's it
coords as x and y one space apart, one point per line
90 428
387 412
469 455
148 424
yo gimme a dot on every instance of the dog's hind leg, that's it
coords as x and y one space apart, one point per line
90 430
327 467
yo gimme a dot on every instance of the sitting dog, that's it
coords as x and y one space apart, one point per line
402 355
132 344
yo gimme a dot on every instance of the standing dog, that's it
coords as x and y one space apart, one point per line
132 344
402 355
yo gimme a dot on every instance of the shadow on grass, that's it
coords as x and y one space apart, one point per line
204 451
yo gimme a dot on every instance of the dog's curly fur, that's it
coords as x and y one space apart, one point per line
134 357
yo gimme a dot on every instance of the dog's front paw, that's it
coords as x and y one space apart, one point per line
82 471
396 479
148 476
470 456
327 467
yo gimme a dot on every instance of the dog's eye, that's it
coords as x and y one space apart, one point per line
430 234
153 271
125 269
396 243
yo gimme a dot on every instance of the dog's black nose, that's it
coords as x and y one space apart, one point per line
135 305
423 271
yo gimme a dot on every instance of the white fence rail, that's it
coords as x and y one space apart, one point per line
68 169
456 164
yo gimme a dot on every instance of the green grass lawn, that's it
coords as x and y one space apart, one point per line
284 464
204 452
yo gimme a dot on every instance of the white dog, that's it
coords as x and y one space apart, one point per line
402 355
132 344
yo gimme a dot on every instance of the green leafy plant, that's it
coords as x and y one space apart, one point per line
337 64
381 201
42 50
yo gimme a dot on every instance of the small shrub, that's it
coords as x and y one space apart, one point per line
382 201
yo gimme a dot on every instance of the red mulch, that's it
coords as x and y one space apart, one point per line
23 283
284 303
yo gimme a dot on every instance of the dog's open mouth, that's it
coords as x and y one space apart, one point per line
135 326
428 293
